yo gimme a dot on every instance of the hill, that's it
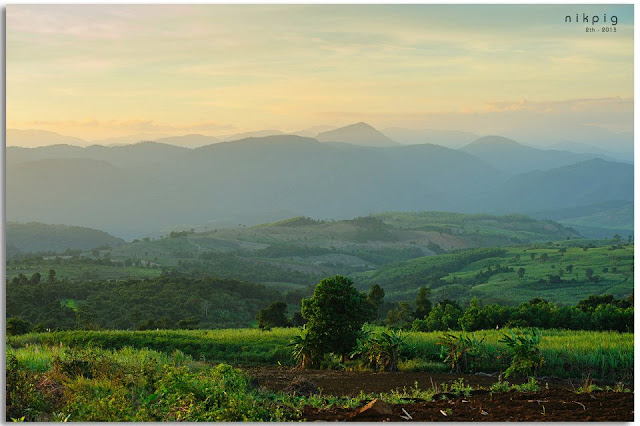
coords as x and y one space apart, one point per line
556 272
513 158
600 220
298 252
357 134
39 237
447 138
581 184
189 141
121 156
261 176
259 179
35 138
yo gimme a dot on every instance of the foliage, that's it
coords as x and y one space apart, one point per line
305 351
460 351
607 355
530 385
526 358
401 316
102 385
16 326
336 313
380 350
132 304
273 316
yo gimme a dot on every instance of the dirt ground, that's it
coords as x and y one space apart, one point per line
557 403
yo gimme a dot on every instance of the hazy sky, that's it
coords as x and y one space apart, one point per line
98 71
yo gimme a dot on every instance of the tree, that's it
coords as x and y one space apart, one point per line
423 304
273 316
190 323
544 257
35 278
376 297
52 276
16 326
444 316
401 316
336 313
521 273
589 273
533 255
569 268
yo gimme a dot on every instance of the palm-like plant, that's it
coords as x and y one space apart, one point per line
304 349
380 351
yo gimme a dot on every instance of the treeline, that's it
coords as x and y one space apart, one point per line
594 313
165 302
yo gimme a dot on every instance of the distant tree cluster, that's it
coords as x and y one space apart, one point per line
594 313
163 302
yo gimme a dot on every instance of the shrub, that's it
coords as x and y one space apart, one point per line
380 351
459 351
525 353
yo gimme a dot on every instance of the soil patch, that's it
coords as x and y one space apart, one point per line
551 405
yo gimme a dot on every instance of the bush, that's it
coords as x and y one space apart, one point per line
524 347
381 350
460 351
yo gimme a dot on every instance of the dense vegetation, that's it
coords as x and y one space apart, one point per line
84 384
594 313
164 302
566 353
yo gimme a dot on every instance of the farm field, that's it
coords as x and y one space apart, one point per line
605 355
177 375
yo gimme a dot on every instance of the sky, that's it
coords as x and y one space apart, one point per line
101 71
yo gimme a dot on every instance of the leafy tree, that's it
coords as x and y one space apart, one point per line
472 320
521 273
401 316
190 323
52 276
35 278
569 268
423 303
336 313
376 298
273 316
589 273
532 255
17 326
544 257
594 301
444 316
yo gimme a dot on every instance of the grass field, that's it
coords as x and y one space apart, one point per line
607 355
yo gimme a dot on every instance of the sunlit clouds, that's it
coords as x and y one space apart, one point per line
96 71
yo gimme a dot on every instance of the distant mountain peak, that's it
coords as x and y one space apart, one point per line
494 141
359 133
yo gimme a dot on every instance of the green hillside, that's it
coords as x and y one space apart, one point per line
39 237
300 250
557 272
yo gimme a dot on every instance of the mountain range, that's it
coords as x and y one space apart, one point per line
145 187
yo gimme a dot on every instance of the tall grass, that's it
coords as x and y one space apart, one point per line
605 355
